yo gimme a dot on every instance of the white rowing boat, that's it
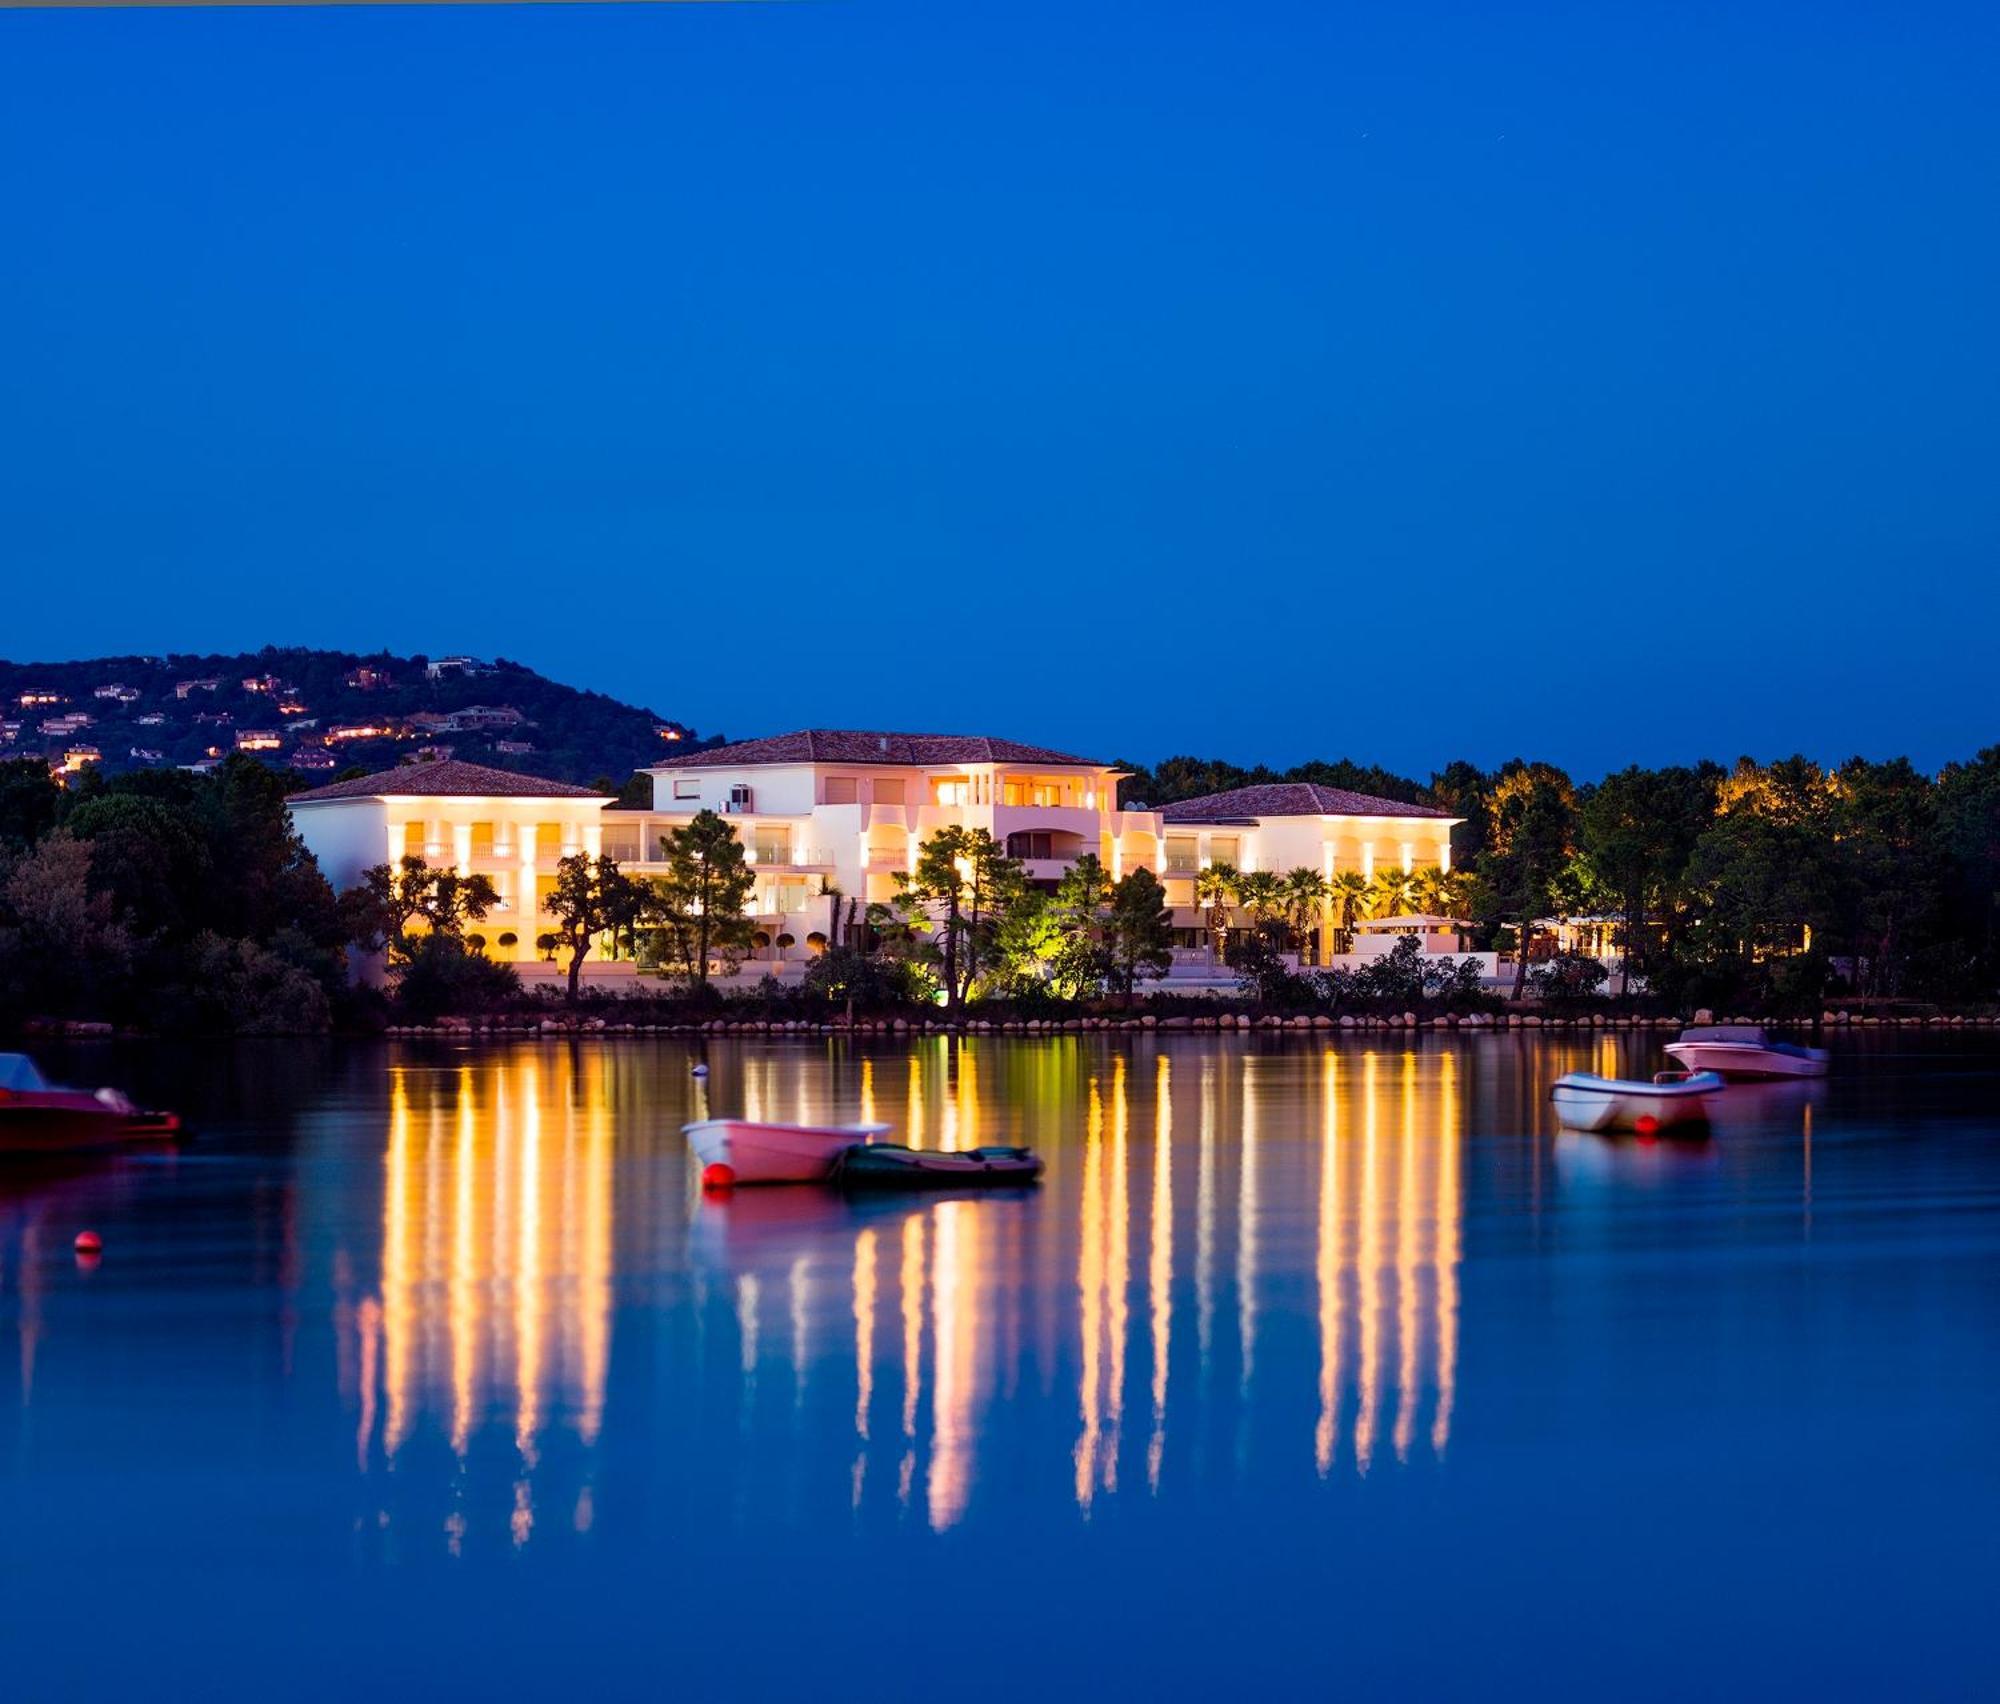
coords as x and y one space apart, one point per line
1745 1050
754 1152
1585 1102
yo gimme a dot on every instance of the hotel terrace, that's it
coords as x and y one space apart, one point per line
828 818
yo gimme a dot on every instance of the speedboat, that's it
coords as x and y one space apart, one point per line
888 1165
1745 1050
40 1117
1586 1102
744 1150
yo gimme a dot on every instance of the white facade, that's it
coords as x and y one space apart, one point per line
830 816
439 813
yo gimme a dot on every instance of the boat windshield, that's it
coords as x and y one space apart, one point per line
1752 1034
19 1076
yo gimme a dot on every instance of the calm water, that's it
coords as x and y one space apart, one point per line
1335 1369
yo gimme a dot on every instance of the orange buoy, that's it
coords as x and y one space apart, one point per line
89 1242
716 1175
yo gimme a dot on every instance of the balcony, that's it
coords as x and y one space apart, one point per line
789 857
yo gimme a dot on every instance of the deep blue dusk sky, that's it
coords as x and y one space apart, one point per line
1598 382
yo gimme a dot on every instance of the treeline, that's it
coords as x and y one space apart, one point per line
1761 887
179 903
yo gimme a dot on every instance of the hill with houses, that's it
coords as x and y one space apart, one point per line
322 712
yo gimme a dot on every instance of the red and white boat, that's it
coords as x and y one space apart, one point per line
747 1151
40 1117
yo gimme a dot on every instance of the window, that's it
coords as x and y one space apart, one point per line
771 848
840 790
621 844
1225 849
482 840
686 788
1010 792
957 792
1181 855
888 791
413 840
1029 844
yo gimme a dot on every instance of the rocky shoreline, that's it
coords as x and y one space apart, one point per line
1238 1022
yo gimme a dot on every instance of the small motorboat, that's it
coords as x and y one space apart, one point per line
1745 1050
1586 1102
743 1150
889 1165
40 1117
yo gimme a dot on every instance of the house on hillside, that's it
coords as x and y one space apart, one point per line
464 668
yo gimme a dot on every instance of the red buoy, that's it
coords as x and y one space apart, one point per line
1647 1125
716 1175
89 1242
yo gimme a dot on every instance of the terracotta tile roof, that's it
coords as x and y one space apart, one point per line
852 745
445 780
1291 798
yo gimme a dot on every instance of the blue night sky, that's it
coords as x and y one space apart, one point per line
1597 382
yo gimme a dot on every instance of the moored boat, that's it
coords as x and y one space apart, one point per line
889 1165
40 1117
1745 1050
744 1150
1672 1098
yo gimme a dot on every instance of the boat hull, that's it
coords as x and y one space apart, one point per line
1748 1061
887 1166
61 1127
1606 1103
775 1153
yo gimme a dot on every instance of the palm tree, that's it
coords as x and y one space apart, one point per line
1439 892
1391 891
1262 894
1350 902
1215 891
1306 895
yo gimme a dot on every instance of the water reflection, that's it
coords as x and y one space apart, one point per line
1244 1261
945 1307
496 1263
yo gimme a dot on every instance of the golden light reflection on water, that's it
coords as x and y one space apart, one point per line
1304 1209
1371 1141
495 1269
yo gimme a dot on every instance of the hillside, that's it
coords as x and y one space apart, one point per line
320 712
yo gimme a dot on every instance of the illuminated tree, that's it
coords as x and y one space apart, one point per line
1215 892
963 884
1307 893
591 897
702 897
1138 930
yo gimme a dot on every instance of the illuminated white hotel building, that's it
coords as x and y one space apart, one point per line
830 817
